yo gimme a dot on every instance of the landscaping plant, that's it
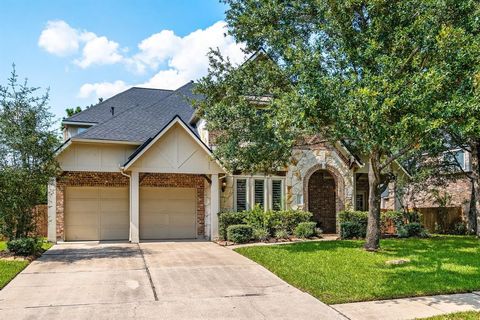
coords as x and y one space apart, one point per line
27 162
377 75
239 233
305 230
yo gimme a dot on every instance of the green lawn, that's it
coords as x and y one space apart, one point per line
10 268
472 315
340 271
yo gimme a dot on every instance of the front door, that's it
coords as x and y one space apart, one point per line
322 200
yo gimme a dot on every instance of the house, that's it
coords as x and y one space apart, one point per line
139 166
446 202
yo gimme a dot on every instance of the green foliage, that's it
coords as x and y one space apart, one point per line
379 75
71 111
261 234
459 228
239 233
412 229
281 234
352 230
27 145
290 219
25 246
305 230
226 219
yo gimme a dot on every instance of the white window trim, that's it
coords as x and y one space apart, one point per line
268 205
466 155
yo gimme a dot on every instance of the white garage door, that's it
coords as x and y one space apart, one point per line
93 213
167 213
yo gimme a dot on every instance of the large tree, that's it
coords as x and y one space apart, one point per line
27 144
367 72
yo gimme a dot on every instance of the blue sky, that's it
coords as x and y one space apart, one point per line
90 48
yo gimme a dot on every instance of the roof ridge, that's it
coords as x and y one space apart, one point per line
98 104
160 89
133 108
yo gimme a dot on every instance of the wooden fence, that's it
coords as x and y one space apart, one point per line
41 220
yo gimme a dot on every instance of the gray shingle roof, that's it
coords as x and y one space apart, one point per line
147 119
133 97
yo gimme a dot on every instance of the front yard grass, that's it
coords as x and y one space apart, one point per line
341 271
471 315
10 268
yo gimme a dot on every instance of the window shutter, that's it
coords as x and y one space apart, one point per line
260 192
277 195
241 194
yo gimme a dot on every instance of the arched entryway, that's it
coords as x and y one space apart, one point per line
322 200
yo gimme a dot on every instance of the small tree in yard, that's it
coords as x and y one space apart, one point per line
27 144
369 73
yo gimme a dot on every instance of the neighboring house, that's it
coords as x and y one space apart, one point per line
451 199
139 166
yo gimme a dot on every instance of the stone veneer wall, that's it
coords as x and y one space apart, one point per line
116 179
305 161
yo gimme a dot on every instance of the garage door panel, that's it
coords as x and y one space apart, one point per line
167 213
94 213
84 232
82 193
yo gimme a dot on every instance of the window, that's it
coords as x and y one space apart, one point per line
456 158
264 191
241 194
81 129
277 195
259 192
360 201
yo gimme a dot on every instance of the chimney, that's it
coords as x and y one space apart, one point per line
112 111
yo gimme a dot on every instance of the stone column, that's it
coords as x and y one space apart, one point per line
134 207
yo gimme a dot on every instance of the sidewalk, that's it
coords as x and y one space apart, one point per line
410 308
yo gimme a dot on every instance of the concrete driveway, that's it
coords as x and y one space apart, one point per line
158 280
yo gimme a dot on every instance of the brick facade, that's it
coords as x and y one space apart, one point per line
116 179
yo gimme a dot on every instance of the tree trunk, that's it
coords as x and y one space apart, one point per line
472 212
476 182
372 242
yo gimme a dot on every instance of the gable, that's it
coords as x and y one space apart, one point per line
176 151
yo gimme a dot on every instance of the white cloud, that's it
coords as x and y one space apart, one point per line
99 50
171 59
186 58
102 89
59 38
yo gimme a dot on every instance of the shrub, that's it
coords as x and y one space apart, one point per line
239 233
288 220
305 229
281 234
226 219
360 217
352 229
25 246
261 234
318 232
412 229
396 217
459 228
